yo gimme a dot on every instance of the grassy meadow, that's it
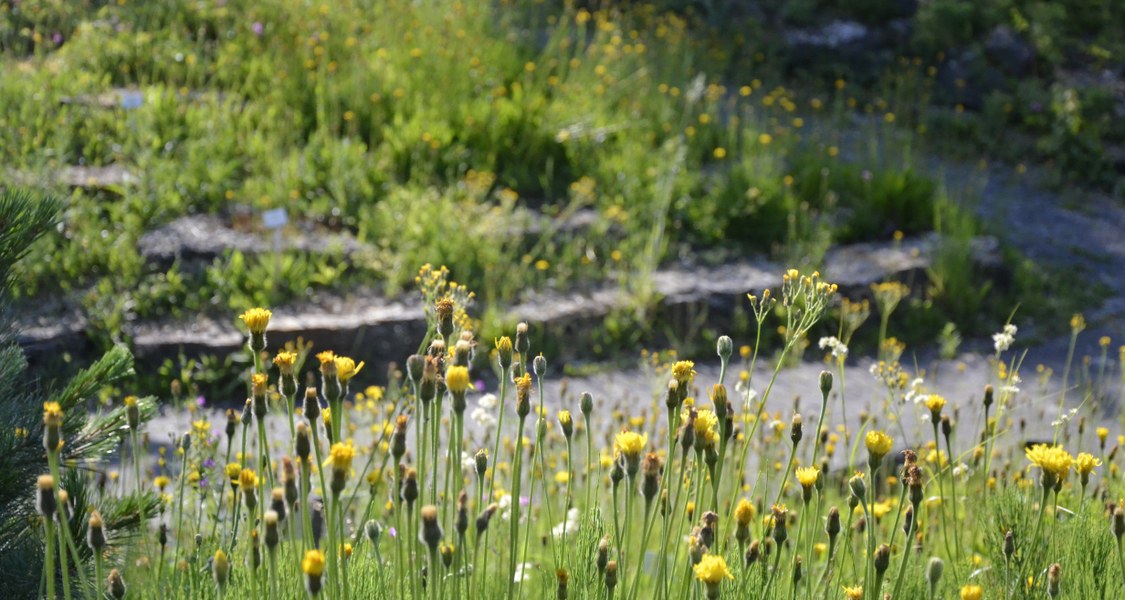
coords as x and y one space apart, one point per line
532 146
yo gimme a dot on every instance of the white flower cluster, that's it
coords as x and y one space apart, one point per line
1004 340
567 527
1064 418
482 414
917 393
838 348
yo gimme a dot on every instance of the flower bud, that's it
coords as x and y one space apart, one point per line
414 366
303 446
602 557
987 396
539 366
1054 574
410 487
724 347
586 404
933 572
825 381
373 531
311 406
1009 545
220 568
796 432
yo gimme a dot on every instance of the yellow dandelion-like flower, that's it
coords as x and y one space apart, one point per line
878 444
706 426
1103 433
285 361
327 357
52 414
630 443
161 482
313 563
935 403
457 379
853 593
341 455
132 401
346 368
744 512
683 371
712 569
233 470
247 479
807 476
256 319
972 592
1085 463
1051 459
259 381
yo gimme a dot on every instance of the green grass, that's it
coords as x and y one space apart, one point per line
675 136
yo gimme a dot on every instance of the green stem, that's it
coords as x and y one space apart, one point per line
513 540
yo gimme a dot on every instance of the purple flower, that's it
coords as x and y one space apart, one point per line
57 38
257 28
479 385
208 463
524 500
203 483
393 532
200 400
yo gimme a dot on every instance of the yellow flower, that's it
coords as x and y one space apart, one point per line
683 371
313 563
259 381
878 444
972 592
1103 433
341 455
132 401
256 319
326 358
807 476
1085 463
712 569
744 512
285 361
1052 459
853 593
457 379
161 482
630 443
935 403
706 426
52 414
562 477
247 479
346 368
233 470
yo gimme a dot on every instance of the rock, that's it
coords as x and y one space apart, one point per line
206 237
833 35
1010 52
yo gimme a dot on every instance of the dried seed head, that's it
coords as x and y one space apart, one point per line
410 486
45 497
431 533
1054 575
271 519
832 527
485 517
1009 544
95 532
115 585
753 553
611 575
882 559
523 344
311 407
602 557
